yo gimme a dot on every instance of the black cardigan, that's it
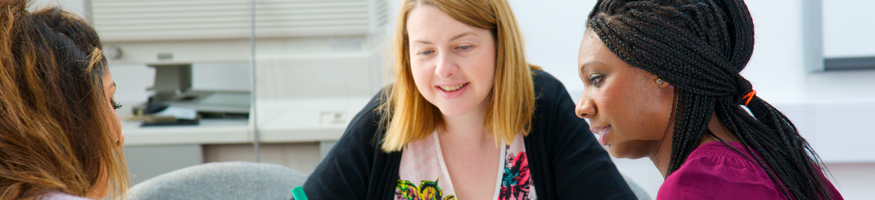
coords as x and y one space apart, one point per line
565 160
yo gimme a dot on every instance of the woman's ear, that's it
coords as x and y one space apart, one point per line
666 89
661 83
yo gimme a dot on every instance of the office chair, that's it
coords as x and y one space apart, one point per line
221 180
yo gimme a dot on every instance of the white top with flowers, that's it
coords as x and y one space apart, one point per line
423 173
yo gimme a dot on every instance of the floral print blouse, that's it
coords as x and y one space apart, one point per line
423 174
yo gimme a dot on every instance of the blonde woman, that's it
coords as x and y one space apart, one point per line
59 136
466 118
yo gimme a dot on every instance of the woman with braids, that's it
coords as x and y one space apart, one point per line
60 138
662 80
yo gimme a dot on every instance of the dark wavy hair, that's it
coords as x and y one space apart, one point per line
54 132
700 46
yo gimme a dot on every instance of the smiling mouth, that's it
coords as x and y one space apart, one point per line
452 88
602 132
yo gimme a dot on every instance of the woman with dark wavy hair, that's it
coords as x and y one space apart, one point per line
59 135
662 80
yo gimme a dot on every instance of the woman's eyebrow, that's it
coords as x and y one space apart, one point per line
583 66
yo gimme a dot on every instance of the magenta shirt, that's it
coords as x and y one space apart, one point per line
715 171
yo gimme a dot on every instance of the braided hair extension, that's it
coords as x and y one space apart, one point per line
700 46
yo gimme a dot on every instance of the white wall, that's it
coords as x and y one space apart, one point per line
553 31
74 6
848 28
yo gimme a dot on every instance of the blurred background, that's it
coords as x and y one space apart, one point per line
184 67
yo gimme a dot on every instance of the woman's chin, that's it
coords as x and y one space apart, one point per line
617 151
454 109
451 112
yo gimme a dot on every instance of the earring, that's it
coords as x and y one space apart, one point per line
659 81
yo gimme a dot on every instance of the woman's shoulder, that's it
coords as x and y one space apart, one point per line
545 83
365 125
715 171
362 134
355 158
553 115
549 91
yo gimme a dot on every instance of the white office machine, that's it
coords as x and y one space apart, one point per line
316 62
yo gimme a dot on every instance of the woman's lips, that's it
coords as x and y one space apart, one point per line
452 88
452 91
602 131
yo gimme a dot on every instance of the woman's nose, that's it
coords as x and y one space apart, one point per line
446 66
584 107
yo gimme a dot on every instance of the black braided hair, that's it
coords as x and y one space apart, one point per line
700 46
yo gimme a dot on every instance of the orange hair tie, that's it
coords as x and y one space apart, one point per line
749 96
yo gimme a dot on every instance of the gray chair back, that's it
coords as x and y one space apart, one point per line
221 180
639 192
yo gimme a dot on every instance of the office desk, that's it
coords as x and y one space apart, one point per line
214 131
296 134
153 151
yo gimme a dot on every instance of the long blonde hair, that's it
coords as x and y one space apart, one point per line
409 117
54 132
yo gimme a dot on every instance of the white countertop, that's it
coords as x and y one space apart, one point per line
214 131
305 120
223 131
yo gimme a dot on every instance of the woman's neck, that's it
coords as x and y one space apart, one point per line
719 130
466 128
661 156
101 189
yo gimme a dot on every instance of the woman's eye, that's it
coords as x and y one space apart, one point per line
596 79
426 52
464 47
115 106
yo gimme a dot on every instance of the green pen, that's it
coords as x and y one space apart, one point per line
298 193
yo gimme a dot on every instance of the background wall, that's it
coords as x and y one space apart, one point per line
847 28
830 108
75 6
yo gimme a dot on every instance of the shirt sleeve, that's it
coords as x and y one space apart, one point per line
346 171
581 168
718 178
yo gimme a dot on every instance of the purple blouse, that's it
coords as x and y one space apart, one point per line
714 171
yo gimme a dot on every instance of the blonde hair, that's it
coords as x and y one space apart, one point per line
55 133
408 117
